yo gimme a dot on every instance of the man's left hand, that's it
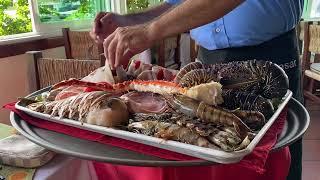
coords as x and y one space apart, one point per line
125 42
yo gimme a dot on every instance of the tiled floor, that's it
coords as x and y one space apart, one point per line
311 145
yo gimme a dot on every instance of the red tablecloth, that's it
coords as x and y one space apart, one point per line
260 164
277 168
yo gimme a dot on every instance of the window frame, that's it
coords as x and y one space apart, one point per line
52 29
21 37
310 10
45 28
306 16
118 6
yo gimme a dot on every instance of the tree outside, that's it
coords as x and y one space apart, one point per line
66 10
15 15
17 22
134 6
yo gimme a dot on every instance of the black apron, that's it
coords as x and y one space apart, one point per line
282 50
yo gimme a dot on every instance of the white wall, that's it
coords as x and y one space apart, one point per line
17 77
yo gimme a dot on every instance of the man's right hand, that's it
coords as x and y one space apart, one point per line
105 24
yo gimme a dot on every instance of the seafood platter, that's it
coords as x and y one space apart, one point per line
215 112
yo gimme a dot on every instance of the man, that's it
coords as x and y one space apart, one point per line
225 30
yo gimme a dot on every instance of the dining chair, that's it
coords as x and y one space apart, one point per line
168 52
194 47
310 60
79 45
49 71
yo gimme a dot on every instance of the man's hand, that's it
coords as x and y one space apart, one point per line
105 24
125 42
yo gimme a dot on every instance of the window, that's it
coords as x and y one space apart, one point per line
47 17
52 15
311 9
66 10
15 17
315 9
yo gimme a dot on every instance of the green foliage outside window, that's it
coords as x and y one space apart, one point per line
134 6
54 10
20 23
65 10
85 11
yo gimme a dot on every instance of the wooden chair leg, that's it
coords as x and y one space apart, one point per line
312 97
65 34
308 93
311 85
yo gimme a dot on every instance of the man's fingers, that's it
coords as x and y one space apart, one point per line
106 43
97 27
126 58
99 16
107 19
112 51
97 22
119 52
100 38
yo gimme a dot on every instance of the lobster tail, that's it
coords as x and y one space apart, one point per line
247 101
198 76
187 68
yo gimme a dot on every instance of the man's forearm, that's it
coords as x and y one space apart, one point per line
190 14
148 15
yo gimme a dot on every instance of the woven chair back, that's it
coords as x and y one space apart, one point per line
82 46
314 35
52 70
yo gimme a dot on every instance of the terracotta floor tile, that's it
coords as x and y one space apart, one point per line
311 170
313 131
311 150
312 106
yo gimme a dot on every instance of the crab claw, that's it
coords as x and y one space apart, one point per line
104 86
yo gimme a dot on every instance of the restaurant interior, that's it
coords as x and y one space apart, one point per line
45 43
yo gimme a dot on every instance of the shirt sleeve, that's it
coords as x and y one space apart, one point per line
173 1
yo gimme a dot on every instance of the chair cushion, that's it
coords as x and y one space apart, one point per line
315 67
312 75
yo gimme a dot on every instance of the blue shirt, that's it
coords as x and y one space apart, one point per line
251 23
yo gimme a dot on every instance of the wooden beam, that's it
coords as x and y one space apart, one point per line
33 45
65 35
311 96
